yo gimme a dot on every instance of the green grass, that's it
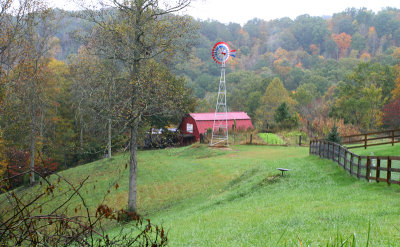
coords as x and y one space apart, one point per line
236 197
270 138
381 150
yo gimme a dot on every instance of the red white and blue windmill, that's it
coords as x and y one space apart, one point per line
221 53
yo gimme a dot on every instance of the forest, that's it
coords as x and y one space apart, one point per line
70 93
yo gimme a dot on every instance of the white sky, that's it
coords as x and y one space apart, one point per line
240 11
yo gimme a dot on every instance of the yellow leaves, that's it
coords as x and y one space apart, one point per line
281 53
396 53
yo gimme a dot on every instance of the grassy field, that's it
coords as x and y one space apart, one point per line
382 150
236 197
271 138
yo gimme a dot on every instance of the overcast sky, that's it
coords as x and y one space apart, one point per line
240 11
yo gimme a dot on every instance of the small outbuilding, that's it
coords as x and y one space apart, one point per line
198 123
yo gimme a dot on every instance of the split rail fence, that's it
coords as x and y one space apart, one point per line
372 139
378 168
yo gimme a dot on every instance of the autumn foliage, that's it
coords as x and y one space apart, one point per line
322 126
343 42
391 114
18 164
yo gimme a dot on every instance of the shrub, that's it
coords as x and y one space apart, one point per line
25 221
333 135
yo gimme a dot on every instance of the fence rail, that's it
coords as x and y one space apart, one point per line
378 168
372 139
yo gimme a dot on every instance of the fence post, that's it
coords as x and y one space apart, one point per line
251 138
345 159
339 151
365 141
392 137
351 163
329 150
320 149
359 167
389 168
368 168
299 140
326 150
378 167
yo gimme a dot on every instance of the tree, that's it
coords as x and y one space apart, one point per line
13 23
284 118
391 114
333 135
310 30
33 79
343 42
95 86
366 74
282 113
274 96
133 34
30 93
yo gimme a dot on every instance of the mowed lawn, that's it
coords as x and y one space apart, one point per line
236 197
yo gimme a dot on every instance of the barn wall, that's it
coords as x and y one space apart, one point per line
183 127
241 124
200 127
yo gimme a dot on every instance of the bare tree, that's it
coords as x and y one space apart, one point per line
13 23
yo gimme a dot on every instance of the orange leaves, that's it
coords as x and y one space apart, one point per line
343 42
281 53
322 125
371 30
365 56
314 49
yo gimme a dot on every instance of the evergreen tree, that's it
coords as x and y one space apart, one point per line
282 113
333 135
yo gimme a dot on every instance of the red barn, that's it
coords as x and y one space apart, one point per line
198 123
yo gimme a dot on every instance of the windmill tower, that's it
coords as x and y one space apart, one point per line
221 53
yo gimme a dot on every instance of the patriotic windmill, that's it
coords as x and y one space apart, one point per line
221 54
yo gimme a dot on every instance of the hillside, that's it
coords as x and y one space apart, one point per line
236 197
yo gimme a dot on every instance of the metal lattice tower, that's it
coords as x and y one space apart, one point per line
220 127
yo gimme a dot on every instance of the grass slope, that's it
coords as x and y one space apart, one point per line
237 198
382 150
208 197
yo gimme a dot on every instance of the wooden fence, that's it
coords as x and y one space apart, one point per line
378 168
372 139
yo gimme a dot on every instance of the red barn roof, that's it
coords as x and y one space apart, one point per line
200 122
207 116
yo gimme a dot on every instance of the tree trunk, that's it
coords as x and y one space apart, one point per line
109 138
133 166
32 150
81 134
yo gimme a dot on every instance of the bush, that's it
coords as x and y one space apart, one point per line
25 220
